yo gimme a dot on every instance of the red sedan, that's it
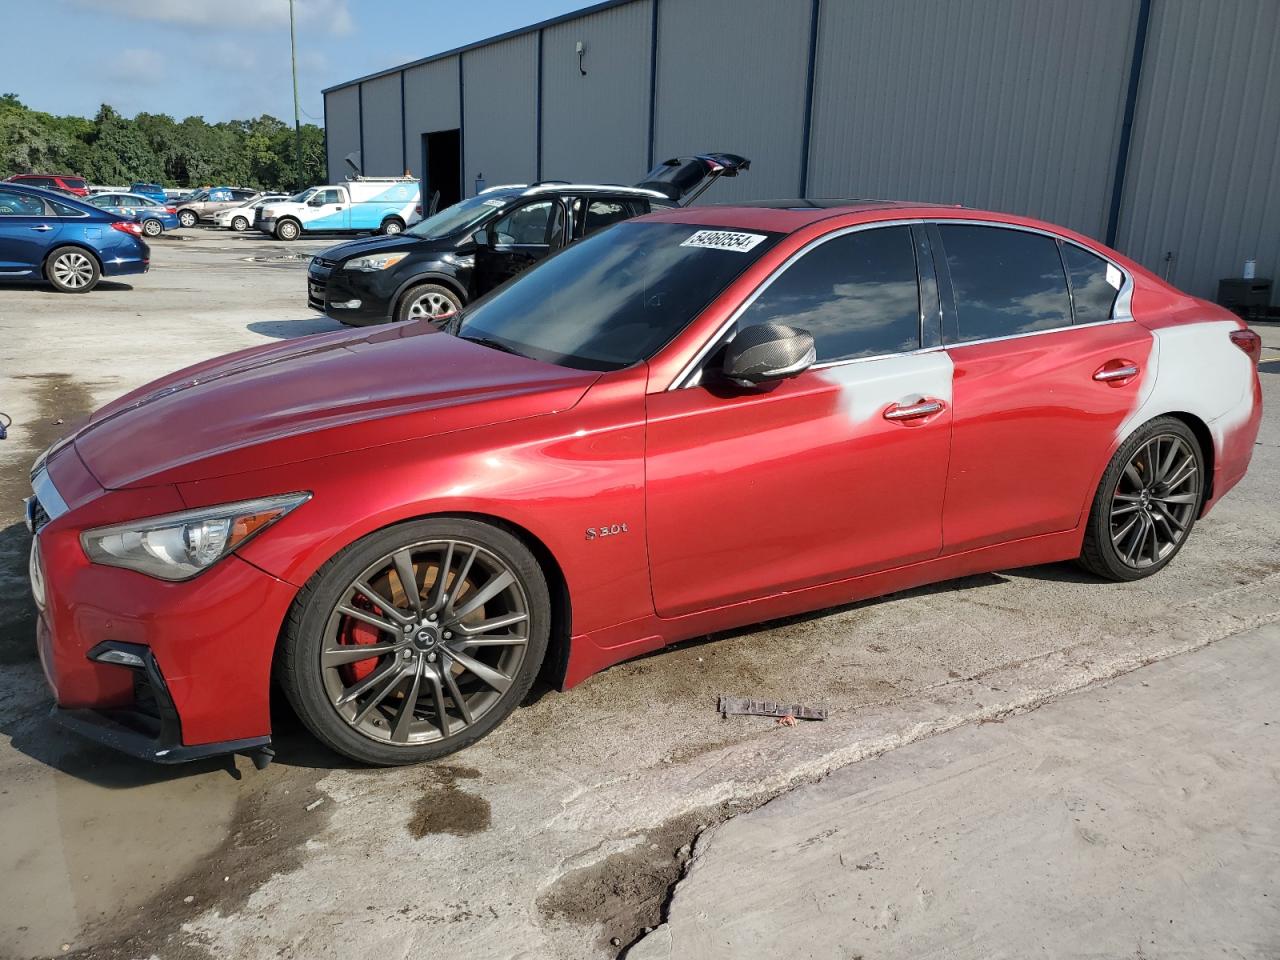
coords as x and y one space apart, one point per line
691 421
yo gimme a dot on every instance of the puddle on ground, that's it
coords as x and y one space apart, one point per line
444 808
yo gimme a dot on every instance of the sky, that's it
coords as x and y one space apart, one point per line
229 59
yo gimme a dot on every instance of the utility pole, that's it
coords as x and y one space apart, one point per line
297 123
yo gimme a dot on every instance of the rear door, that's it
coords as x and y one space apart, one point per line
595 213
835 473
1038 332
520 238
26 232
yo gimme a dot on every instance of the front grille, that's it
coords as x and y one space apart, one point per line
315 294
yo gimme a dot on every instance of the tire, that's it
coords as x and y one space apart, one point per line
392 226
1146 503
72 270
288 230
188 218
355 702
152 228
239 223
432 302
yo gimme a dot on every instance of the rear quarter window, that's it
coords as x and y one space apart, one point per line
1095 284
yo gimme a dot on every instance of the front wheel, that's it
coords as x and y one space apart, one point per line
239 223
152 228
287 230
416 641
428 301
188 218
1147 502
72 270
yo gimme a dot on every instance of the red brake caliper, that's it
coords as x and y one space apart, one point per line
357 632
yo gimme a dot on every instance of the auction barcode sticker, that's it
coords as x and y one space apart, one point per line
724 240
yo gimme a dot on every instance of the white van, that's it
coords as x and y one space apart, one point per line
361 205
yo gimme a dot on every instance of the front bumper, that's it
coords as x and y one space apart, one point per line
358 299
205 645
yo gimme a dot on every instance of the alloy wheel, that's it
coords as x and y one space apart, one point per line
425 642
431 305
1155 500
152 228
73 270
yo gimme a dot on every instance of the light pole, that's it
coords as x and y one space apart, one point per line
297 123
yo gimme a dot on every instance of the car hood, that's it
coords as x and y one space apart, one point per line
312 397
368 245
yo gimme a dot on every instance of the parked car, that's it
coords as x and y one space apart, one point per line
384 204
242 217
154 217
203 204
71 244
471 247
65 183
152 191
682 424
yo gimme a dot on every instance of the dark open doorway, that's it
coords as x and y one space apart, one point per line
441 169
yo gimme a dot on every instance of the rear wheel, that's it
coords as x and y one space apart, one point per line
428 301
72 270
288 230
188 218
1147 502
239 223
416 641
152 227
392 226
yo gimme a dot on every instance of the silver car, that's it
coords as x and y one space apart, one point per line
203 205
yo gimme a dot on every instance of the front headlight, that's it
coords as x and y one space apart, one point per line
377 261
181 545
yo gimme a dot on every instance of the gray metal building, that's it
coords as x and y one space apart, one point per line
1150 124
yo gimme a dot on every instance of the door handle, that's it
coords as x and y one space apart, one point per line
926 407
42 228
1116 370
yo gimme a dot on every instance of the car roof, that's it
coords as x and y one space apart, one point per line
788 216
513 190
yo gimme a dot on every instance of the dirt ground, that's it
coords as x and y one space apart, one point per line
561 834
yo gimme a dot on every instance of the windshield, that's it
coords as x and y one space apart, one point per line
302 197
453 219
616 297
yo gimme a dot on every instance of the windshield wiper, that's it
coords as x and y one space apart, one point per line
495 344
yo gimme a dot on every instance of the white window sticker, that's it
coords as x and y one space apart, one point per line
494 202
724 240
1114 276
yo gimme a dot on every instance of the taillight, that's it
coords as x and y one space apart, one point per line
127 226
1249 342
418 209
170 209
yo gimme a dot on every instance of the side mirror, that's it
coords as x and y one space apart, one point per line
482 238
766 352
316 202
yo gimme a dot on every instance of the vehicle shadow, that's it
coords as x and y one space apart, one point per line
289 329
105 286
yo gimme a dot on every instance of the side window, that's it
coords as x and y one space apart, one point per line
15 204
1094 284
534 224
61 209
592 215
857 294
241 194
330 196
1005 282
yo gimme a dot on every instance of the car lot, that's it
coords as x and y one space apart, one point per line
564 830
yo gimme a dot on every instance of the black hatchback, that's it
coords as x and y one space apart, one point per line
447 260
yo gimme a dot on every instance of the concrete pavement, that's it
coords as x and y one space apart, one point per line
1137 818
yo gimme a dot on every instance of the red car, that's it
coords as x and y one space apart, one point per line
694 420
62 182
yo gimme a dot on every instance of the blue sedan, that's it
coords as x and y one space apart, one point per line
155 217
70 243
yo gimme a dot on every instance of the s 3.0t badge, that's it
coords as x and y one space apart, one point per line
612 530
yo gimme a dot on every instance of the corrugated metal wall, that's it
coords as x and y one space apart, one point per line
382 130
342 128
430 104
595 128
991 103
1204 166
500 104
731 77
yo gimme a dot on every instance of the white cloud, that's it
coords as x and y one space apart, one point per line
137 66
332 16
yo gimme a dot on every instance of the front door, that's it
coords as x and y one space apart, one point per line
328 209
835 473
26 232
1040 384
518 240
